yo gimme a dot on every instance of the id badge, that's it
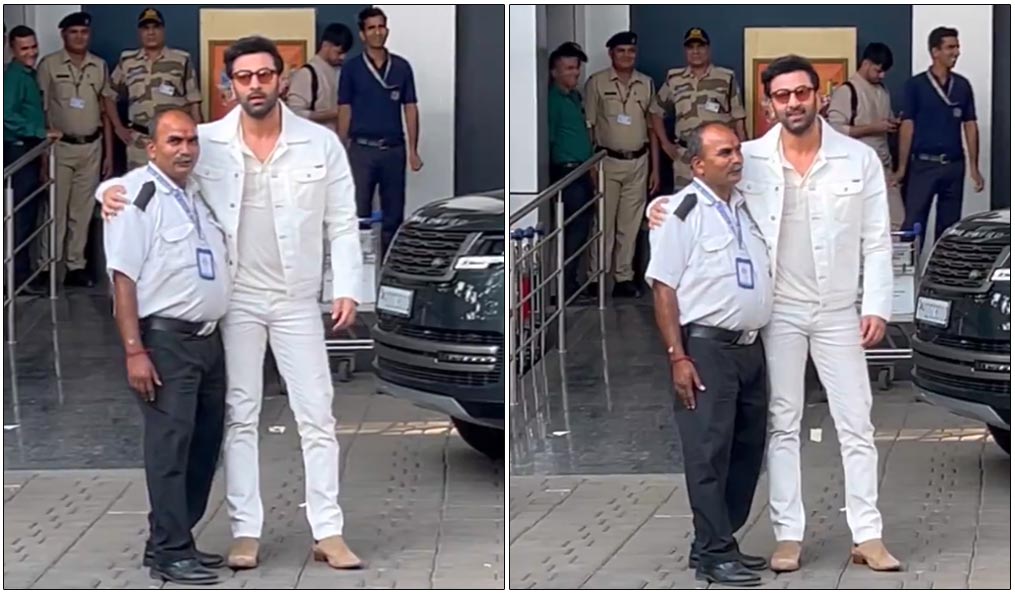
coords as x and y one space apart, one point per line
712 106
205 264
395 95
77 103
623 119
167 89
745 273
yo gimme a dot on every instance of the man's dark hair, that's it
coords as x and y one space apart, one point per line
786 65
368 13
153 125
567 50
337 35
937 36
879 54
19 32
695 139
254 44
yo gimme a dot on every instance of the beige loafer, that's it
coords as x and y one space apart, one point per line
337 554
875 556
243 553
786 557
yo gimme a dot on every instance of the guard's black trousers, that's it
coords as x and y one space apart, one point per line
182 436
723 441
927 180
383 170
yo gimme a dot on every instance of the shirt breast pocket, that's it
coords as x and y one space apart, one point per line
844 202
308 187
178 248
716 256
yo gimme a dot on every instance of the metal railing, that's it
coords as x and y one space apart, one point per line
11 250
531 283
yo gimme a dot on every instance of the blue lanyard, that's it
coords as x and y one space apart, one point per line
181 199
732 221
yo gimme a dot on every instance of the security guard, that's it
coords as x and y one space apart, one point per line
698 93
151 78
618 101
713 292
375 89
166 256
73 81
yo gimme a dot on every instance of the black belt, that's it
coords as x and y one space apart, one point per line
627 155
941 158
722 335
173 325
73 139
378 143
139 128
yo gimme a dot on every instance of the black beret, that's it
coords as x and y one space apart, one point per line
150 15
696 34
623 38
76 19
569 49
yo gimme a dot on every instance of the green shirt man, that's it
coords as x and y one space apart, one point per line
23 114
569 136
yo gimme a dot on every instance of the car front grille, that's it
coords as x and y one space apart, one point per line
421 252
960 263
468 379
458 337
968 343
965 383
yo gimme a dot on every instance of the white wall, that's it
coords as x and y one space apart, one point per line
44 18
975 26
425 36
596 24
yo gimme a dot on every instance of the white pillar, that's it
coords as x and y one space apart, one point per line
44 19
598 23
975 25
528 151
425 36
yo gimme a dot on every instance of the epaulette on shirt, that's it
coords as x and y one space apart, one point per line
145 195
686 206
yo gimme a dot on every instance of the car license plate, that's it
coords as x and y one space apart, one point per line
933 311
395 300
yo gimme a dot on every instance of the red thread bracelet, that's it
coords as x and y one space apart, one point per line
682 358
142 352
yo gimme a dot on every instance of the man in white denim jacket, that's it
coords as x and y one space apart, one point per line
276 181
819 198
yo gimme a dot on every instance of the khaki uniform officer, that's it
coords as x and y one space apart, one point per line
618 101
698 93
73 81
152 78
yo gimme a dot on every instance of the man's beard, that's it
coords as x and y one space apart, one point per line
260 111
803 126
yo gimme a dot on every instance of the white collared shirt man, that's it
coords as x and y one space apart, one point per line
820 225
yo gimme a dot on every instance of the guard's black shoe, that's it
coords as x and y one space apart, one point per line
750 562
626 289
184 572
732 572
208 560
78 278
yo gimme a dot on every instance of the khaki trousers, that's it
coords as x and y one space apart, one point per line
896 208
77 176
624 204
137 152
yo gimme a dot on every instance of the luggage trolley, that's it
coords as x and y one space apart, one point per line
529 287
896 347
343 346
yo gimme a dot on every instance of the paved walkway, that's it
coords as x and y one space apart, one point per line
945 498
421 507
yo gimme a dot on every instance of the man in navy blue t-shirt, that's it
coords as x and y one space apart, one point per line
374 89
937 109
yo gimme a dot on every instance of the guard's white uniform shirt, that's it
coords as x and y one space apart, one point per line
698 256
157 248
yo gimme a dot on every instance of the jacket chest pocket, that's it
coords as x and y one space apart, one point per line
178 246
844 200
307 186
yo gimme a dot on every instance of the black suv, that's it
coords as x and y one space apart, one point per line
962 344
439 337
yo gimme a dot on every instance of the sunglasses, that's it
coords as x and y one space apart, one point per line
264 76
802 94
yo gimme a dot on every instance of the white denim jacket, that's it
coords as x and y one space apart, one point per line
851 224
313 191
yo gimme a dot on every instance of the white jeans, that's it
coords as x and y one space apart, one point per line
833 338
296 333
